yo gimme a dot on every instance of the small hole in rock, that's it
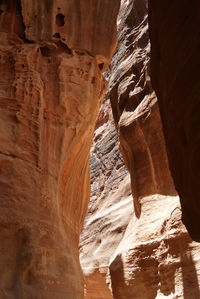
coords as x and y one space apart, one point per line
45 51
58 8
1 11
101 66
57 35
22 65
60 20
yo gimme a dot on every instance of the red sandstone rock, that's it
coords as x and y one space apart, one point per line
174 32
51 87
135 108
148 254
110 206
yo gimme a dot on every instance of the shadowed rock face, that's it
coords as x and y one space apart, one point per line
51 87
175 34
135 108
146 254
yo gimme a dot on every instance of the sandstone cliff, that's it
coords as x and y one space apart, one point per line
175 33
52 55
147 254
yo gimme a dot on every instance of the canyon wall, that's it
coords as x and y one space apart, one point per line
175 33
146 254
52 56
110 208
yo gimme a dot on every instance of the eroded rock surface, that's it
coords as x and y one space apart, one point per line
155 256
175 33
135 108
110 206
51 87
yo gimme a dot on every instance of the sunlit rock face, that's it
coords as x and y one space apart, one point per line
110 206
146 254
135 108
51 87
175 33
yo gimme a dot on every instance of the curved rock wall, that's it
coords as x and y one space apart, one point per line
51 87
175 33
135 108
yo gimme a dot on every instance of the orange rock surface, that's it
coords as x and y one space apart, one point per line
146 254
133 243
51 60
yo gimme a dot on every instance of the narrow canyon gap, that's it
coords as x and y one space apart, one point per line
149 254
52 55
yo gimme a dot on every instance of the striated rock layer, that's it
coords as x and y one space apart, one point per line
135 108
152 256
52 55
110 207
175 33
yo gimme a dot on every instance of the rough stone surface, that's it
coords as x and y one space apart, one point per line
153 256
156 257
175 33
110 206
51 88
135 108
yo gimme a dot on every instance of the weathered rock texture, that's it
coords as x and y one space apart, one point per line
52 54
135 108
110 206
175 33
154 257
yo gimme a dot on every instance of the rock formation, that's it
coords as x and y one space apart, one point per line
110 207
175 33
52 55
148 254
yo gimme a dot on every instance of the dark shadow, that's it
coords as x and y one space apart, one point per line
190 277
60 20
117 276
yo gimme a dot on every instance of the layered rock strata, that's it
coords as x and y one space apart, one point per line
175 33
110 206
52 55
154 257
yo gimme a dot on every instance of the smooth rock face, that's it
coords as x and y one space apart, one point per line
175 33
153 256
50 94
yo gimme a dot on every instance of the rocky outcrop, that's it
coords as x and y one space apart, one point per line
156 257
174 33
52 55
153 256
